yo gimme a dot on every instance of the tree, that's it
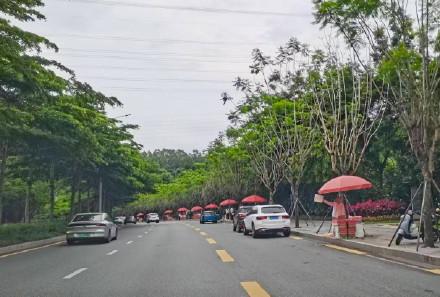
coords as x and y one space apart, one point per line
410 67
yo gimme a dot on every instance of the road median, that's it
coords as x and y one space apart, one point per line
30 245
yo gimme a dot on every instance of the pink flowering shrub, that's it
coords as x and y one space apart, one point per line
382 207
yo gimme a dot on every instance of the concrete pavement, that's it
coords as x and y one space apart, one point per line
174 259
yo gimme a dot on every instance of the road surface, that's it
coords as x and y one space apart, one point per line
177 259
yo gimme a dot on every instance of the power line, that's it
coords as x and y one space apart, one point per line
188 8
156 79
154 40
147 53
185 70
150 59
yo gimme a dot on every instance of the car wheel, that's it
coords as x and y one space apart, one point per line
234 227
254 233
286 233
116 234
148 222
245 231
239 229
69 241
109 237
157 222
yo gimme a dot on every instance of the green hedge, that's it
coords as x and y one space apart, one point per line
18 233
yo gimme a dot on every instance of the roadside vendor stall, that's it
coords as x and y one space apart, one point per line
168 215
196 212
343 224
182 213
228 205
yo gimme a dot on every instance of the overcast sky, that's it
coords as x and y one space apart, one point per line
169 61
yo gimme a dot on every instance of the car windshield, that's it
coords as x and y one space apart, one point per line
153 214
88 218
273 209
208 213
244 209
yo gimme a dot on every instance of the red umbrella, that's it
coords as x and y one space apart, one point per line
254 199
345 183
168 211
196 208
228 202
211 206
182 209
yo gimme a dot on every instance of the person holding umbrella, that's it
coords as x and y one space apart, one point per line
339 211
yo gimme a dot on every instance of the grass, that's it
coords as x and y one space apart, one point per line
18 233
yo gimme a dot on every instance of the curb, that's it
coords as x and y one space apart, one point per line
375 250
30 245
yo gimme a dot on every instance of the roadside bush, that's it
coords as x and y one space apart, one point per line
378 208
18 233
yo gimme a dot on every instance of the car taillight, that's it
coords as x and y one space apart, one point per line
241 215
100 225
286 217
262 218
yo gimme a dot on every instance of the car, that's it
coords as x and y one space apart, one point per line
267 219
119 220
153 217
130 220
237 220
208 216
86 226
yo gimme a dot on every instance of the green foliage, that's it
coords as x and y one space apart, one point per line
18 233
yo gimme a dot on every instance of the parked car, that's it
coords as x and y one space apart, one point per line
208 216
86 226
267 219
153 217
130 220
237 220
119 220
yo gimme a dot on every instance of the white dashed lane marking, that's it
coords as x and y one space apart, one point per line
130 242
76 272
112 252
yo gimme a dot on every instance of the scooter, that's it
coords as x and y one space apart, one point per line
408 229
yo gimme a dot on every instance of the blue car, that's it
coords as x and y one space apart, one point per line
208 216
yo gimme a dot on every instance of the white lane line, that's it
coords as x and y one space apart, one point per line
146 232
112 252
140 236
130 242
76 272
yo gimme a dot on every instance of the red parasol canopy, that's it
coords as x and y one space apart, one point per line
345 183
228 202
168 211
211 206
182 209
254 199
196 208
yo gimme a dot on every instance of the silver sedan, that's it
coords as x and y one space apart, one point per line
86 226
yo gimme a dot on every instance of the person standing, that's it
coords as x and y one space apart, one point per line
338 212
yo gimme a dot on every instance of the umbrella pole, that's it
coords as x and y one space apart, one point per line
406 210
323 220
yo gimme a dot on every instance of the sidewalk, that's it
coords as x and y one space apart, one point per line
375 242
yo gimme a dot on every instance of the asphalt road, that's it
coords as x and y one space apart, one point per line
175 259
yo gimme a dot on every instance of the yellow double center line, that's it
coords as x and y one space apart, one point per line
224 256
253 289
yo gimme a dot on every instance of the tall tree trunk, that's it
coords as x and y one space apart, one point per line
3 159
295 193
88 199
27 200
51 189
73 189
271 194
79 199
427 208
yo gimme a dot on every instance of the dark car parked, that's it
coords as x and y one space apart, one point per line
237 221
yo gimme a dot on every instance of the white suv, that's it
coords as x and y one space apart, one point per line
267 219
152 217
